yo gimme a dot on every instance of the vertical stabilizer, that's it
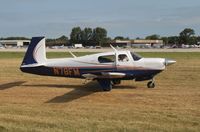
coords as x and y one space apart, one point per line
36 52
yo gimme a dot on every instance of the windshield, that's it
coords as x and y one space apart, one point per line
135 56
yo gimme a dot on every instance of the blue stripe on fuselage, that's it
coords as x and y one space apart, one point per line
77 72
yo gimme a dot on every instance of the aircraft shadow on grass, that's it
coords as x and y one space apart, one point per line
78 91
11 85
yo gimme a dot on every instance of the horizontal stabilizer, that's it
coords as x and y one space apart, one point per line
32 65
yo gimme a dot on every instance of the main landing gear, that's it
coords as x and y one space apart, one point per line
151 84
116 81
107 84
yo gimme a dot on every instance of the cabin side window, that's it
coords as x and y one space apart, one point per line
106 59
123 58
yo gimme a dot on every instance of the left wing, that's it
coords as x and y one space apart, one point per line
106 75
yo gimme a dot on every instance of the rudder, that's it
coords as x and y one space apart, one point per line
36 53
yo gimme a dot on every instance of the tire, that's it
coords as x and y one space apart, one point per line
151 84
116 82
108 88
105 84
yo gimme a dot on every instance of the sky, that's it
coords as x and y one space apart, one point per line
128 18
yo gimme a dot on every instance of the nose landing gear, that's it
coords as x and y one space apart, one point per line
151 84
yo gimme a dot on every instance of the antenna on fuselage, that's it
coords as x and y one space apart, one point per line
113 48
72 54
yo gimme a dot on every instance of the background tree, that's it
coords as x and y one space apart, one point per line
198 39
75 36
153 37
15 38
86 36
165 40
185 36
193 40
138 38
173 40
121 38
107 42
63 40
99 36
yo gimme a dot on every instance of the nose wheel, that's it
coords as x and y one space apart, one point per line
151 84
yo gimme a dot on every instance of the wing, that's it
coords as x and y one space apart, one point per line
106 75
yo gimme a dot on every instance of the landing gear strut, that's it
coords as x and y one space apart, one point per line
151 84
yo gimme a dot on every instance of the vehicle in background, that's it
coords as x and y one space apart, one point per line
98 47
77 46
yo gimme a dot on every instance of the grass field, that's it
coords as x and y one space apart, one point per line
36 103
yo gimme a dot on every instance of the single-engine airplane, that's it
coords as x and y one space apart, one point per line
107 68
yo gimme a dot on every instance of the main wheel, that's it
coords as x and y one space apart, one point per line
109 88
151 84
105 84
116 81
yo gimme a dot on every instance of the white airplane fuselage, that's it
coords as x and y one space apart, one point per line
107 68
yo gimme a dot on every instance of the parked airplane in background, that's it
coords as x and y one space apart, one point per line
107 68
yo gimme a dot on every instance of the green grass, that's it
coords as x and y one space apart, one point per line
10 55
186 55
44 104
175 55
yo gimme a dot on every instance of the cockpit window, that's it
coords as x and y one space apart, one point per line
135 56
106 59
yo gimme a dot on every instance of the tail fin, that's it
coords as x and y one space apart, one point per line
36 53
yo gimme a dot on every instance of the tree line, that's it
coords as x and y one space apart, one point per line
187 36
89 36
98 37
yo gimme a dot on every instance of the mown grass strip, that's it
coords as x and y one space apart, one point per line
173 55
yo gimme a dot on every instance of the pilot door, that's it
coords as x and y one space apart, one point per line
123 60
